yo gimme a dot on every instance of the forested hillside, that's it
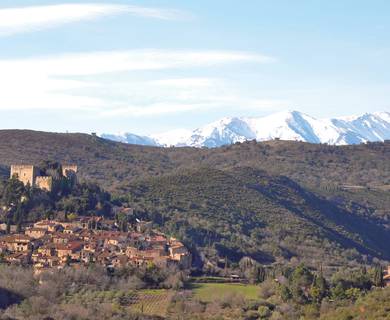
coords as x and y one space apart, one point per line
273 201
246 212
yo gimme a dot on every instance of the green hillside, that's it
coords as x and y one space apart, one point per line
246 212
272 201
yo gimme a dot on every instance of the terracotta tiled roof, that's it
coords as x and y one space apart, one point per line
35 229
15 238
75 245
158 238
48 246
46 223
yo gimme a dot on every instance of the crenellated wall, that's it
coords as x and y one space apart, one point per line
44 183
29 174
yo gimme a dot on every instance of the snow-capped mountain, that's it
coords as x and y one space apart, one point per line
288 125
222 132
130 138
177 138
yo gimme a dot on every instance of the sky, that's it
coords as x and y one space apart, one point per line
151 66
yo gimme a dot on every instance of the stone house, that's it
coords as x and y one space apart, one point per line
47 250
105 258
141 261
87 256
50 226
71 229
70 250
120 261
17 243
62 238
13 228
20 258
35 233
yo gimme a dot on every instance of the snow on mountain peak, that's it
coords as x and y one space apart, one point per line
285 125
172 138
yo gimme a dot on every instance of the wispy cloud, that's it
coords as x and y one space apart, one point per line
116 61
99 81
184 82
32 18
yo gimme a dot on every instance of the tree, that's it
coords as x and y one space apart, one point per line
353 293
264 312
301 279
378 276
8 226
285 293
319 288
19 216
258 274
338 292
68 260
122 221
13 192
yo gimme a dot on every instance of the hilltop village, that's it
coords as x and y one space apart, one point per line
53 243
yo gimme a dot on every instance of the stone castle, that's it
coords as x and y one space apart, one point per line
29 174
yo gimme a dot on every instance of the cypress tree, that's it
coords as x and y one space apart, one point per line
378 276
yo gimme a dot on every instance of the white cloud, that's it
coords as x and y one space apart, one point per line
117 61
75 81
185 82
27 19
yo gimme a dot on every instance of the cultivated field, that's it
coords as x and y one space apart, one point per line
152 302
148 302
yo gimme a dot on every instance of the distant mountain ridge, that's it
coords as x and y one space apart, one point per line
287 125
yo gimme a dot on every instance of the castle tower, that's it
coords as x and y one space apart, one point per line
24 173
69 170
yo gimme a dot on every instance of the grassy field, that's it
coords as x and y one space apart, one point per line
211 291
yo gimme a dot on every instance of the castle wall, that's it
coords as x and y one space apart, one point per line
25 173
44 183
29 174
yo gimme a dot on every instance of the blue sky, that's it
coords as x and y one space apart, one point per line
152 66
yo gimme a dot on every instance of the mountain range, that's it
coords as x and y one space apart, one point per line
287 125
